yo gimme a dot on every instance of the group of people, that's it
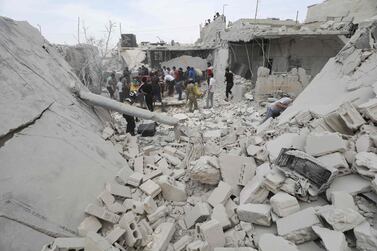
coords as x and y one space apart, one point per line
208 21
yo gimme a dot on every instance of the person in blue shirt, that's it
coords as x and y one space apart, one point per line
191 73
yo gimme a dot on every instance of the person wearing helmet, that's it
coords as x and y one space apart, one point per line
130 119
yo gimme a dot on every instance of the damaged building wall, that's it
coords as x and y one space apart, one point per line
210 34
349 76
282 54
156 56
85 62
53 158
337 10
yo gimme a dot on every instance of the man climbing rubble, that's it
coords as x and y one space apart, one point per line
210 90
276 108
229 83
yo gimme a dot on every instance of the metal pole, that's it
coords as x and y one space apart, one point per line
256 10
224 8
120 28
297 17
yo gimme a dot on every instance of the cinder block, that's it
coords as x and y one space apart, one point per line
95 242
220 195
151 188
351 116
198 245
161 237
146 232
159 213
139 164
342 200
370 109
259 214
136 206
182 243
74 244
337 161
284 204
115 234
89 224
270 242
318 144
212 233
135 179
133 235
219 213
297 227
118 190
117 208
150 205
198 213
172 190
102 213
106 197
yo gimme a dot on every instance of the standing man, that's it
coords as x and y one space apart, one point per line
127 75
209 71
191 73
191 96
156 87
147 90
170 82
229 84
111 84
130 119
211 90
179 83
120 89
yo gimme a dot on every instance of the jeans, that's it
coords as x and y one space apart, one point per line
271 113
178 89
228 90
210 99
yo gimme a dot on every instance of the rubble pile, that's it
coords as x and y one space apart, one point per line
221 181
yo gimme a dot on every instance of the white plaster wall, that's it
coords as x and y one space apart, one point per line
359 9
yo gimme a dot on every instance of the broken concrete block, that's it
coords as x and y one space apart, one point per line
205 173
366 164
117 208
336 161
363 143
182 243
139 164
199 213
172 190
135 179
259 214
340 219
119 190
370 109
89 224
254 191
123 175
284 141
101 213
231 208
284 204
160 212
235 249
352 184
257 152
351 116
303 118
318 144
61 244
234 238
198 245
212 233
151 188
332 240
270 242
95 242
172 160
181 117
235 169
115 234
146 232
106 197
274 180
135 205
107 133
220 195
133 235
366 237
342 200
161 237
297 227
150 205
220 214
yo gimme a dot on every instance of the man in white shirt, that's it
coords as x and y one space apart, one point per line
276 108
211 90
170 83
120 90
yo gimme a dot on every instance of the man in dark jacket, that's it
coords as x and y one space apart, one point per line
130 120
147 90
229 83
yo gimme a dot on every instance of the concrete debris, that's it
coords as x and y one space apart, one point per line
336 161
199 213
342 200
332 240
366 237
297 227
366 164
89 224
205 173
341 219
270 242
351 184
220 195
161 237
318 144
212 233
151 188
284 204
172 190
259 214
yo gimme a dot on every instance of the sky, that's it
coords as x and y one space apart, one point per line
177 20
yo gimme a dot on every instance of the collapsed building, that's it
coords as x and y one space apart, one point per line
220 181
